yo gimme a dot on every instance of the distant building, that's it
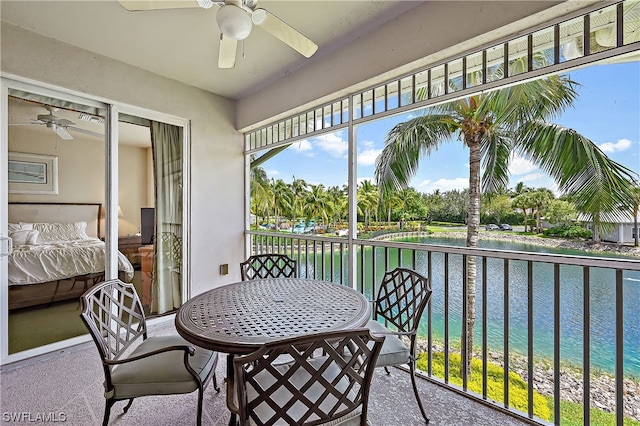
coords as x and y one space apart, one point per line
622 231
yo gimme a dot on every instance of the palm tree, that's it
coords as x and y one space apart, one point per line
317 203
261 196
524 202
299 192
281 199
492 125
339 203
541 198
367 200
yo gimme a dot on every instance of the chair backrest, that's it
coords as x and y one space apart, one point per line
173 249
113 314
328 378
268 266
402 297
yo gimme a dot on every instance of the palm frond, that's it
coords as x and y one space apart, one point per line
543 99
594 181
495 150
405 144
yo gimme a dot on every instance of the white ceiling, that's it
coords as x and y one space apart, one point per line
182 44
23 117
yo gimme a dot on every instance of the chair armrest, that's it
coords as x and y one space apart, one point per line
232 404
187 349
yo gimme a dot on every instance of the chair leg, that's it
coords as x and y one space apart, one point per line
215 383
107 411
126 408
199 418
412 368
387 370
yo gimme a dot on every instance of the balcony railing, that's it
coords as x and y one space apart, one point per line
568 325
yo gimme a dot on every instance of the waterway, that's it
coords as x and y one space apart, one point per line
601 303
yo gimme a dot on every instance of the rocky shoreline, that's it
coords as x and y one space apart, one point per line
602 386
588 246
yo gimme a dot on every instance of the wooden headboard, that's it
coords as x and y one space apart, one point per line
58 213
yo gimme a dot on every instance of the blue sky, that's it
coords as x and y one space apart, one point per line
607 111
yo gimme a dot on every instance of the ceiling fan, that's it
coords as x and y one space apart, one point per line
235 20
60 126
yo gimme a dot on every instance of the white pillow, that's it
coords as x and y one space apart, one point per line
19 226
24 237
53 232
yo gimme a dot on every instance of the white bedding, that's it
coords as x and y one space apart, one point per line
51 260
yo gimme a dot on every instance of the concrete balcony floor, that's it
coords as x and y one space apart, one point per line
69 383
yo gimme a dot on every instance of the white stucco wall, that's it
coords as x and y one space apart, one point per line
217 171
84 157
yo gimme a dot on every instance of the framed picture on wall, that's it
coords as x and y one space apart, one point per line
32 173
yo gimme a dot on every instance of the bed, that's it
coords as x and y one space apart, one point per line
57 253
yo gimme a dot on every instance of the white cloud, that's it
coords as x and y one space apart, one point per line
301 146
272 172
332 144
520 166
367 156
443 185
532 177
621 145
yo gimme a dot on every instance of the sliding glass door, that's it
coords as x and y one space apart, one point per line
91 191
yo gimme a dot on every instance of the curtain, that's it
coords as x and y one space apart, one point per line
166 142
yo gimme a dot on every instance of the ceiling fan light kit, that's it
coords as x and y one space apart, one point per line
234 22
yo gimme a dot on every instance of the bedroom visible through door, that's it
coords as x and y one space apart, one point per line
64 174
56 198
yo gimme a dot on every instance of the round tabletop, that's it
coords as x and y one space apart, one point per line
239 318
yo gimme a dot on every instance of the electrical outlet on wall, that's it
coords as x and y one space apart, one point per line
224 269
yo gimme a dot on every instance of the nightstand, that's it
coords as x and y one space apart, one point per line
129 245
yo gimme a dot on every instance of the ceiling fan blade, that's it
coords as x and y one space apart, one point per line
86 132
138 5
283 31
227 52
62 133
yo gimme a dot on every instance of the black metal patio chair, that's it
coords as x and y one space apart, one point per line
268 266
326 381
402 298
159 365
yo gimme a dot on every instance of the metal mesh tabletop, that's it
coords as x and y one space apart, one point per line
239 318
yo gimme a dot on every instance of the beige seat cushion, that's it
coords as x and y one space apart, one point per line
394 351
161 374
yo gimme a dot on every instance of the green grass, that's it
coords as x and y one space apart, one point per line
571 414
432 228
495 383
436 223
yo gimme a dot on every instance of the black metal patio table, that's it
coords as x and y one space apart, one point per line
239 318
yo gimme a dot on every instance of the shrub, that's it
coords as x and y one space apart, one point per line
518 396
568 231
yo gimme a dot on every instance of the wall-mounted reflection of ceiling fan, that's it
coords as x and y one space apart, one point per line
235 19
60 126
